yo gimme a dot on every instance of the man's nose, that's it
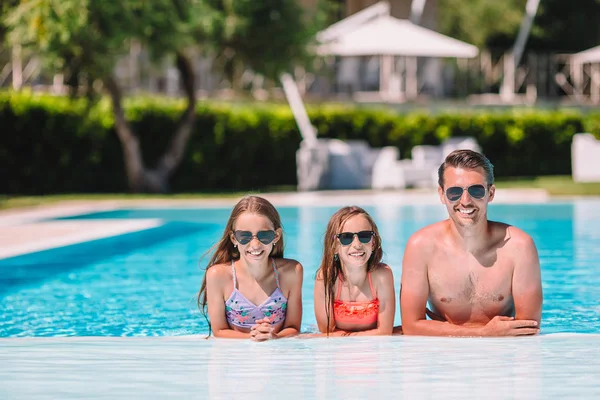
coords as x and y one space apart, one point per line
466 197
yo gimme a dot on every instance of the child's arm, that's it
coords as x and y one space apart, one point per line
321 306
293 315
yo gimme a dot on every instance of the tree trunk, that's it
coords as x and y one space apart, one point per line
134 165
156 180
174 154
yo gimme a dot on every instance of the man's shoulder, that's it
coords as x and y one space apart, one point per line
428 235
513 235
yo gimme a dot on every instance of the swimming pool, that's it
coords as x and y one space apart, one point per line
144 283
72 306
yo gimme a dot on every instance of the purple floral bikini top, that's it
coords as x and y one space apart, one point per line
243 313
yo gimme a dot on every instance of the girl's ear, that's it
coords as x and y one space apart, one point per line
278 234
232 238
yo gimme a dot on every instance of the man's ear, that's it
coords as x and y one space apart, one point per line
492 193
442 195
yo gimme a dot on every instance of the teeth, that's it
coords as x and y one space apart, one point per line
255 253
357 254
468 211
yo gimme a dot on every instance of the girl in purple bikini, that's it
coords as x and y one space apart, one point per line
250 290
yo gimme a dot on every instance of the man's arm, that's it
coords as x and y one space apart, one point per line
527 278
414 293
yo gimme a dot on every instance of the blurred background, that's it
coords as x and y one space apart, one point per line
220 96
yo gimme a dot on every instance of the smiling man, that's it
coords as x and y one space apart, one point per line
480 277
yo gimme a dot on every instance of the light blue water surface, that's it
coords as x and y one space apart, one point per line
145 283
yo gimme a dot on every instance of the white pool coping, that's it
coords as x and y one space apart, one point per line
539 367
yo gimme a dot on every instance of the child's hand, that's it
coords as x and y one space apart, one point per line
263 330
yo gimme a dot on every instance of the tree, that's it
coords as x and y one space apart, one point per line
86 38
481 22
566 27
559 26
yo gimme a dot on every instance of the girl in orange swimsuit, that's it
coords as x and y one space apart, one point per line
354 290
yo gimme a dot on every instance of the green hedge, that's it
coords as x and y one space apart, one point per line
55 144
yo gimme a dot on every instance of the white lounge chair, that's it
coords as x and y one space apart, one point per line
585 158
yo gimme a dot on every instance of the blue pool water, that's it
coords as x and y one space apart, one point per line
144 283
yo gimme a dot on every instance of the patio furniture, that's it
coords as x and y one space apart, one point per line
585 158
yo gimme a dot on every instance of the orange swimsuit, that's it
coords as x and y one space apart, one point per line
356 312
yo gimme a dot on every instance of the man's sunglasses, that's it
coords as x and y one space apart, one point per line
346 238
475 191
245 237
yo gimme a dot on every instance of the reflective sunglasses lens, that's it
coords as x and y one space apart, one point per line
477 191
244 237
265 237
454 193
346 238
365 236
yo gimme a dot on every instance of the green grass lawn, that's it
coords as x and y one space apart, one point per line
554 185
30 201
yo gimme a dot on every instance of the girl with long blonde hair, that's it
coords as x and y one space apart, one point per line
354 290
249 289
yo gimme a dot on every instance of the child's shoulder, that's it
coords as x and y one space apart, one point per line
219 272
382 271
288 266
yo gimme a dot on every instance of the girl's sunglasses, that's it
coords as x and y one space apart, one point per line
346 238
245 237
475 191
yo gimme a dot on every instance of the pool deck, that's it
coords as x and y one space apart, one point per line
26 230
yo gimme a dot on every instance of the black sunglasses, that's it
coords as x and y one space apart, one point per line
245 237
346 238
475 191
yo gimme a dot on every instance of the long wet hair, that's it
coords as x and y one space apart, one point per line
224 251
331 267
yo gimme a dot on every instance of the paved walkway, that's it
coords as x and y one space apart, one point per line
26 230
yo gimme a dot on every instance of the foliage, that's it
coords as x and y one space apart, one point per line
53 145
559 26
85 36
85 39
481 22
564 26
269 36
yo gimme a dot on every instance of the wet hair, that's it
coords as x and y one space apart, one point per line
467 159
331 268
224 251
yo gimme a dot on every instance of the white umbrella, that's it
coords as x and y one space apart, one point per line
386 35
588 56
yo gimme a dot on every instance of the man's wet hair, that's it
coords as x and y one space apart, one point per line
467 159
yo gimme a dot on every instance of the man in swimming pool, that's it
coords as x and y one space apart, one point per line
480 277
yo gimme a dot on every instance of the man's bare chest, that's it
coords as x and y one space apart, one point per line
470 283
